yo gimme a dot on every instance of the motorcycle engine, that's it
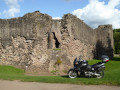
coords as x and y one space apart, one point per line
88 68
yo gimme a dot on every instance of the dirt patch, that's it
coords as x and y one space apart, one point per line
17 85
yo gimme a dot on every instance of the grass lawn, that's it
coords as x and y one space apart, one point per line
112 75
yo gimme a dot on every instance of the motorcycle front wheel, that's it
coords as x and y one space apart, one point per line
72 73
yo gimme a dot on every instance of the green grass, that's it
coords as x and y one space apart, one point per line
57 49
112 75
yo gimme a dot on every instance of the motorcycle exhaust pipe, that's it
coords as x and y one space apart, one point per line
97 74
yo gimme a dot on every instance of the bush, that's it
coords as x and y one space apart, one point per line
58 62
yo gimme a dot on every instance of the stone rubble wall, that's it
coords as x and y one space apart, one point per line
30 26
35 41
78 38
104 41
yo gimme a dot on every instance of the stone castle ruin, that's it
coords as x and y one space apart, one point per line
36 41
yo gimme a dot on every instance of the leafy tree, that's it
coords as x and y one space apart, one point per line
116 30
116 35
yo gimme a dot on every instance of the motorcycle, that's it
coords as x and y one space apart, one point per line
81 67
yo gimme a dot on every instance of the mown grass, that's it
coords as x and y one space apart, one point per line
112 75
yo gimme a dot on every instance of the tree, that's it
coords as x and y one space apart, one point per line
116 30
116 36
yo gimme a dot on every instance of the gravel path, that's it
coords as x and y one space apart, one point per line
17 85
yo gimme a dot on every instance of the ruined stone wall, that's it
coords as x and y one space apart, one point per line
79 29
104 41
30 26
35 41
81 41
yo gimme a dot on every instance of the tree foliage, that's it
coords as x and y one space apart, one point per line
116 35
116 30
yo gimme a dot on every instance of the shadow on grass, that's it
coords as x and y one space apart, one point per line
65 76
79 76
116 59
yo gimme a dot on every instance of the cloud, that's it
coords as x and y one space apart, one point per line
13 6
98 13
11 12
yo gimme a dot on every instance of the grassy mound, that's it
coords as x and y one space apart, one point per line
10 72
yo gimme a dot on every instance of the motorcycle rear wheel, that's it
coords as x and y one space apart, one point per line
72 73
101 74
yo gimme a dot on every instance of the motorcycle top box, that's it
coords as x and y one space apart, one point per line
104 58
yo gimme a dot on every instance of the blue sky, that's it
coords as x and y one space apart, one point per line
55 8
93 12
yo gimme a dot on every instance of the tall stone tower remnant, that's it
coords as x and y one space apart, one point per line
36 41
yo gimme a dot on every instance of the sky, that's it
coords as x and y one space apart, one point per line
92 12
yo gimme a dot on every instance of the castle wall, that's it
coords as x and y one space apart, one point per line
79 29
36 41
30 26
104 41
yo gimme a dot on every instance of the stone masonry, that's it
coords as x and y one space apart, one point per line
35 41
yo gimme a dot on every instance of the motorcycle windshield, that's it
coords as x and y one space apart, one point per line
75 61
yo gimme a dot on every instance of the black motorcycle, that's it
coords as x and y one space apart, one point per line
82 68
